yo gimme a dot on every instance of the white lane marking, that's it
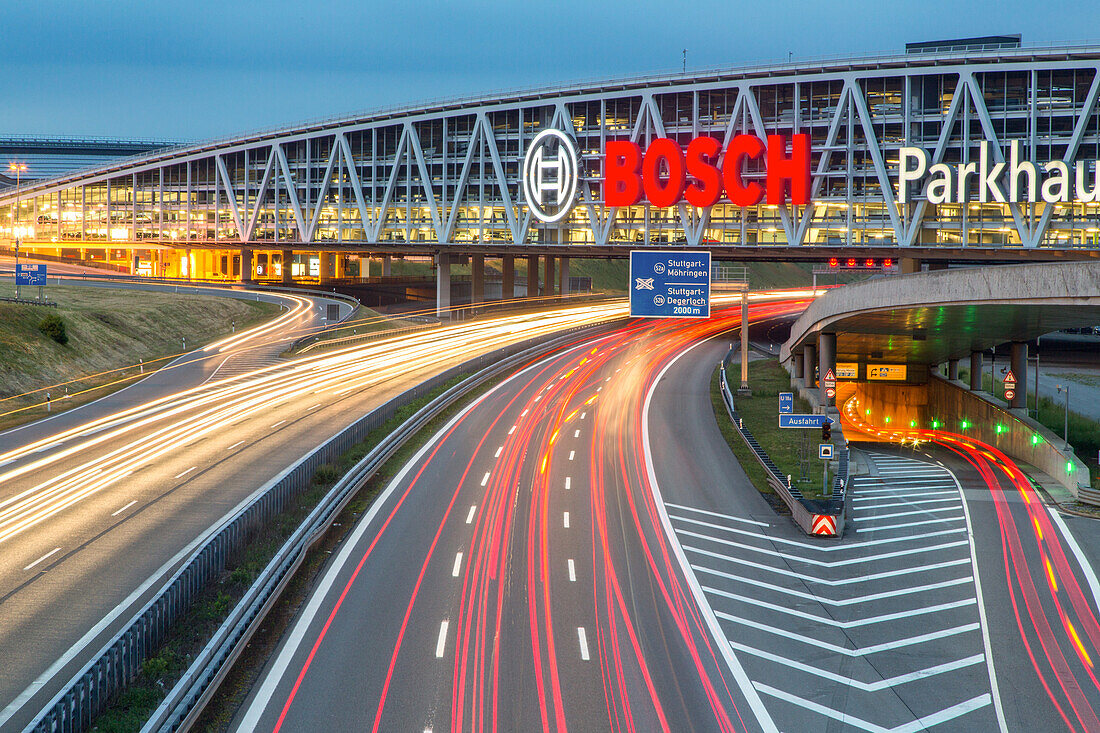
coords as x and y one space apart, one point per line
907 590
847 718
485 478
862 578
497 454
239 442
523 414
909 503
571 454
894 495
584 643
442 641
608 379
600 388
181 475
48 555
876 686
312 408
997 705
565 520
862 651
917 512
763 717
856 623
458 565
572 571
120 511
1090 576
512 430
717 514
583 414
577 434
567 483
772 552
262 699
470 516
278 423
908 524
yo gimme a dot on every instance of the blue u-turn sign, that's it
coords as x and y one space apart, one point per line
669 284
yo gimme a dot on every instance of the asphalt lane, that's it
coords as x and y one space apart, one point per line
91 522
516 575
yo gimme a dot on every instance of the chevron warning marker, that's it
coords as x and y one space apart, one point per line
823 524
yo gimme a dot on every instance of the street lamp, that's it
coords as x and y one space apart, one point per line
1065 425
18 169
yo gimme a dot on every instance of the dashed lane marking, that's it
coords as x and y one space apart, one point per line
45 557
485 479
470 516
441 642
181 475
572 571
584 642
116 512
565 520
458 565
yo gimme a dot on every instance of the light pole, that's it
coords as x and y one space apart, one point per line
1065 425
18 168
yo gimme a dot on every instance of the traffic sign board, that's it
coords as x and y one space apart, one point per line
786 402
801 421
830 392
825 451
669 284
823 524
1010 379
830 379
30 275
1010 394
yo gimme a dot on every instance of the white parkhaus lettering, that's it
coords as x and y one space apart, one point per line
1013 180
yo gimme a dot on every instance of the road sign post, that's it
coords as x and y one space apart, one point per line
1010 386
670 284
801 421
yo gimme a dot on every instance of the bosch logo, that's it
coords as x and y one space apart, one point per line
550 173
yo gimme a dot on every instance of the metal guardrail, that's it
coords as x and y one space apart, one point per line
803 510
120 660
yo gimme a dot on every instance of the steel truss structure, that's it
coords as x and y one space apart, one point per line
449 175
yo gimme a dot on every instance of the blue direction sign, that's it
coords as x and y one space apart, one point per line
786 402
801 421
30 275
669 284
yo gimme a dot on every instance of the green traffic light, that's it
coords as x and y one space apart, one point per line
1036 439
964 424
912 423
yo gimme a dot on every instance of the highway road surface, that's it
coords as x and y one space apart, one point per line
518 574
579 550
95 513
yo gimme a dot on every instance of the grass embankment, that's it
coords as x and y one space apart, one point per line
189 635
108 329
761 415
1084 432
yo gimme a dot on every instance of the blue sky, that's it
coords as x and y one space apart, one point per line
199 69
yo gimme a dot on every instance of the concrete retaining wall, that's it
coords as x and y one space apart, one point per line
949 403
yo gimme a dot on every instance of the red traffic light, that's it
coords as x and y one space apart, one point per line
887 262
833 262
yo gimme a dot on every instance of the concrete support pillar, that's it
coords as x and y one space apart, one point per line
797 360
246 265
826 362
443 285
952 369
340 264
548 280
809 364
325 265
386 265
287 265
477 278
1019 370
508 284
532 276
564 276
976 370
190 266
909 265
744 388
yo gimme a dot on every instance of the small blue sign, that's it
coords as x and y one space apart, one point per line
786 402
30 275
802 421
669 284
